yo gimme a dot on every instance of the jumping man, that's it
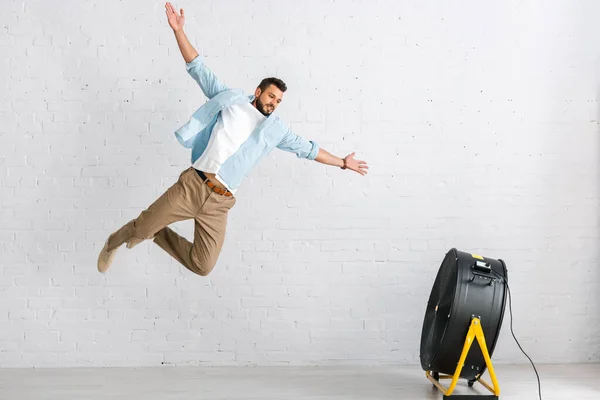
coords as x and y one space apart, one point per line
227 136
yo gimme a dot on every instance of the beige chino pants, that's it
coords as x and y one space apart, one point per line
188 198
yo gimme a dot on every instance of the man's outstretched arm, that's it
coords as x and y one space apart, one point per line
205 78
347 162
176 22
310 150
187 50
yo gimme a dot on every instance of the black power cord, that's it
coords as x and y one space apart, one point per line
513 333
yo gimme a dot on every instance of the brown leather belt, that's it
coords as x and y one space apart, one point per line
212 186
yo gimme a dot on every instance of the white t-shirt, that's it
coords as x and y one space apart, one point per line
233 127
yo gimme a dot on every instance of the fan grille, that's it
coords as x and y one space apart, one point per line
438 309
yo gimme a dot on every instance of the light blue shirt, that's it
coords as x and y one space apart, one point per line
271 133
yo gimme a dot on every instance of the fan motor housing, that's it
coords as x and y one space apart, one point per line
467 286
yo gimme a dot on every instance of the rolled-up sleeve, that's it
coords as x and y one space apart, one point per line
206 79
302 147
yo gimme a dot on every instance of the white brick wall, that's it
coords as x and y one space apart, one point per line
479 120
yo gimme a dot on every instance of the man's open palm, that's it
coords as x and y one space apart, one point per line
176 21
358 166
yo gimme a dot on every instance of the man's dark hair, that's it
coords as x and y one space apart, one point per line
265 83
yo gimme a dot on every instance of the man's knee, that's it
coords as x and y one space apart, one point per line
203 269
202 265
204 272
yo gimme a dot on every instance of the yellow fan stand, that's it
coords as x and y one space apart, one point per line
475 332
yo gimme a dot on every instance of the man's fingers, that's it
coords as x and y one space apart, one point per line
182 12
361 170
361 164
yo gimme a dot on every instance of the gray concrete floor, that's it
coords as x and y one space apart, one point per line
559 382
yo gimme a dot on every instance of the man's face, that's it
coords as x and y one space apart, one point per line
266 102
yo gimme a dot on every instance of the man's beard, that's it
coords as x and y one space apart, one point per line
264 110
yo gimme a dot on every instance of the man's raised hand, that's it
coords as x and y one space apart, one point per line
176 20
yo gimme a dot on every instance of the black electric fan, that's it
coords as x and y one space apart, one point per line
467 286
